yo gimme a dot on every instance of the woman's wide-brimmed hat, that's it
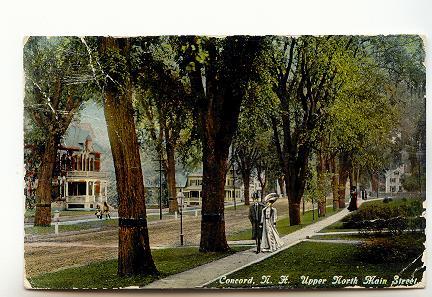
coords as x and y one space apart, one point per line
272 197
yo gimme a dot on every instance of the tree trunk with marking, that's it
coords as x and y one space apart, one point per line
44 187
213 238
134 255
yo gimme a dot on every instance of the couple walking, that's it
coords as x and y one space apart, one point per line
263 217
105 212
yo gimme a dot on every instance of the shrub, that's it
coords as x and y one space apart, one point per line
391 249
391 209
395 216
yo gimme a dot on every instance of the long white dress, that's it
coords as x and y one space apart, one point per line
270 240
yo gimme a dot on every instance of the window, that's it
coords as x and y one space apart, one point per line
396 173
392 180
76 188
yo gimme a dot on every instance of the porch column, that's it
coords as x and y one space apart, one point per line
93 192
67 188
106 191
87 192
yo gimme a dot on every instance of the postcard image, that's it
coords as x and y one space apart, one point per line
224 162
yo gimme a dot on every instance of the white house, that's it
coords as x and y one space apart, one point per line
82 183
393 179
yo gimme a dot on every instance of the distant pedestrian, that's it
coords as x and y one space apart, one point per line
106 211
353 202
98 212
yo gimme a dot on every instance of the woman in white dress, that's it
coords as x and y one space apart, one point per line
270 240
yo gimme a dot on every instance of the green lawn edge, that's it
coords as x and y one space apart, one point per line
103 274
283 226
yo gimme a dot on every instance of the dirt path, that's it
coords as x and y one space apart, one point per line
59 252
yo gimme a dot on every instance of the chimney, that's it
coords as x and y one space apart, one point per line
88 144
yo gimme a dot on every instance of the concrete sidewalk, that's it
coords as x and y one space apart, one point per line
205 274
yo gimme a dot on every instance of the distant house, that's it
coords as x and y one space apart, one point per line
81 183
193 189
151 185
393 179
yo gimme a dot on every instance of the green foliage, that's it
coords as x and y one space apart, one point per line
379 210
161 103
396 216
391 249
411 183
318 185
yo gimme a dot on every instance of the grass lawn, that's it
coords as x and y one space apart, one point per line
336 227
319 261
104 274
29 213
82 226
283 226
37 230
341 236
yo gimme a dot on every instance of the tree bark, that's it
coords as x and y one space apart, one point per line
134 255
335 183
294 213
246 181
217 105
281 185
43 191
213 238
171 179
321 168
344 173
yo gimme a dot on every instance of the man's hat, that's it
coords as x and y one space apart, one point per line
272 197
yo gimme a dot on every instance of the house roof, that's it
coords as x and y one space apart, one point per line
77 134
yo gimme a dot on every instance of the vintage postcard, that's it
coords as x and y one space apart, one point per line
214 162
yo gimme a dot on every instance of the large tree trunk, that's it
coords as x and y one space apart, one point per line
294 170
294 212
335 183
171 179
374 182
294 199
321 168
219 98
43 191
134 255
262 181
213 237
344 173
246 182
281 186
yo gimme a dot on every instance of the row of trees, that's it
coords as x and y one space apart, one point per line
284 102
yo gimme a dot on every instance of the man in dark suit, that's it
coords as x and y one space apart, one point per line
255 213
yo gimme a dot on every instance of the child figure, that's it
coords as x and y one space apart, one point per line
98 212
106 211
